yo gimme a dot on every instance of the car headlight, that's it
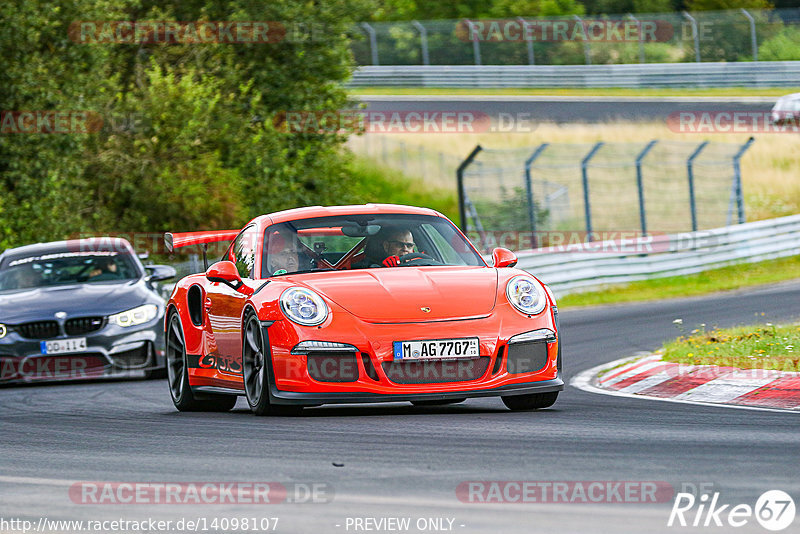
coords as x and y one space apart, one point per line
135 316
3 331
526 295
303 306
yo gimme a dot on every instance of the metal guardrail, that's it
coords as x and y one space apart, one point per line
582 266
750 74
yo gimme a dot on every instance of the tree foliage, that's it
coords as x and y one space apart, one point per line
189 138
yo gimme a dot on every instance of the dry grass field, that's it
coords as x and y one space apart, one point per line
770 168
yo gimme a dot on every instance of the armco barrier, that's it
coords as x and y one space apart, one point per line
571 268
744 74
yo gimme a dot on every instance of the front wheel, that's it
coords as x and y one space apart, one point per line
535 401
178 376
255 370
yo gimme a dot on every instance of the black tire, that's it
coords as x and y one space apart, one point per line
255 370
442 402
535 401
178 375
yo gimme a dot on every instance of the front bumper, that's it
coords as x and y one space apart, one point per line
371 373
111 351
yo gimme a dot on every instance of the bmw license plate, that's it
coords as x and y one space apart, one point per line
436 349
61 346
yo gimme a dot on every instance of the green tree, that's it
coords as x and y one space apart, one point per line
44 195
785 46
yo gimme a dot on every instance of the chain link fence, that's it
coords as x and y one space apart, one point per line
436 168
731 35
656 187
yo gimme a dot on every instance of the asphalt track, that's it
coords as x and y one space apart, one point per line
570 109
400 461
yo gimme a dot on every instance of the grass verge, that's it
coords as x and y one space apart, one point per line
373 183
598 91
750 347
722 279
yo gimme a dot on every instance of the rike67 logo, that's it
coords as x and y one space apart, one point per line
774 510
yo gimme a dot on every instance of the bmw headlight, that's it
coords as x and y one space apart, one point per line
3 330
526 294
303 306
135 316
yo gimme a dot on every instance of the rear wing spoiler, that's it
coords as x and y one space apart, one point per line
184 239
175 240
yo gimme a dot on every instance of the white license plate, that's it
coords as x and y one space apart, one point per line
437 349
61 346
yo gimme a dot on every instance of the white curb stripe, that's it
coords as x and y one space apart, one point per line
633 372
648 382
724 389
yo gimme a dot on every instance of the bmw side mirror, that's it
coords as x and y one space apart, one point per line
503 257
158 273
225 272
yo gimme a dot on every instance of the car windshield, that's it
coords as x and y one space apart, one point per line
364 242
67 267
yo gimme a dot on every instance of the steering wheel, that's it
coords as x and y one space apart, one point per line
417 259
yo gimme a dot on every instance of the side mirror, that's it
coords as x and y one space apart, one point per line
158 273
503 257
225 272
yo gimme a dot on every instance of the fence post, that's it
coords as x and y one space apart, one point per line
528 41
529 191
696 35
585 174
641 41
690 172
423 41
462 209
737 176
373 42
753 38
476 44
587 50
640 184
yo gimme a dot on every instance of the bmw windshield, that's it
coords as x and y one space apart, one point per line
67 267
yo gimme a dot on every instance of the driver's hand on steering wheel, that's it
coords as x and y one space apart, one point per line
391 261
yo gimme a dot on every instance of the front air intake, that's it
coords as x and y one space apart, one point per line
332 366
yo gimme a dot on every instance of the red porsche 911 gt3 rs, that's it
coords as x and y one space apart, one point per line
358 304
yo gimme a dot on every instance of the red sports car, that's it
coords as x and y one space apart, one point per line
358 304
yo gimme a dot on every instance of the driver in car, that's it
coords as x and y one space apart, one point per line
283 255
398 242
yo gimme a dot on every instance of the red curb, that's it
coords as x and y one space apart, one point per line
783 392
